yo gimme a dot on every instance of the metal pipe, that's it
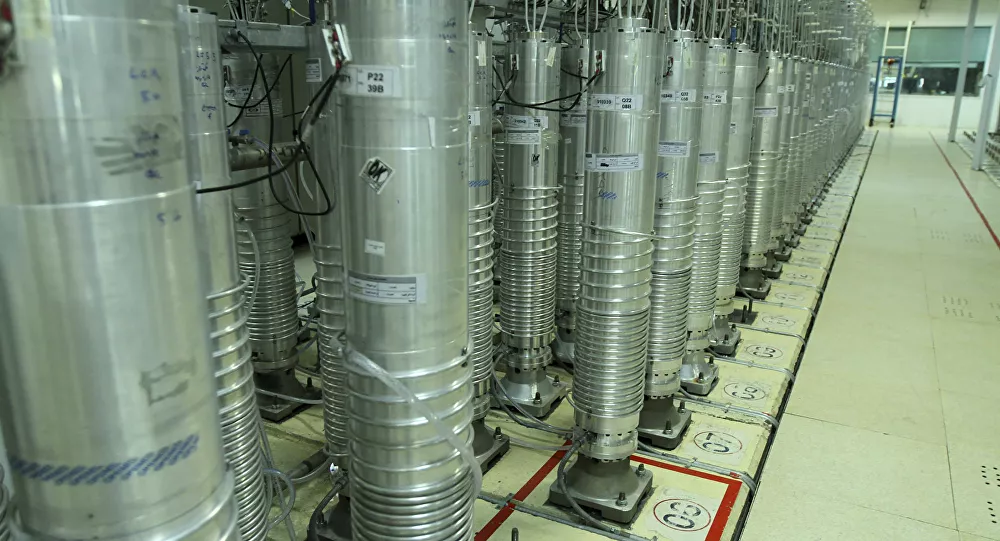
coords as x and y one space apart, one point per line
274 320
405 146
242 158
130 446
963 69
616 268
228 295
528 263
572 160
329 259
989 97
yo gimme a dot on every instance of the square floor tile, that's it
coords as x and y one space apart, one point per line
880 386
966 357
788 515
872 319
860 467
975 477
971 419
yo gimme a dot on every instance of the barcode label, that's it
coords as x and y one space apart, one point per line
715 97
613 162
765 112
674 149
679 96
515 122
573 120
615 102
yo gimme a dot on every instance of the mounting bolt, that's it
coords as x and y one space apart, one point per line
640 470
680 408
497 433
538 398
621 501
555 379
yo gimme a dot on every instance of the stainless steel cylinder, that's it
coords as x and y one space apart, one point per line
572 159
620 187
328 250
737 173
481 207
712 155
676 204
796 157
265 227
228 295
110 347
764 157
527 292
4 508
529 260
784 141
403 155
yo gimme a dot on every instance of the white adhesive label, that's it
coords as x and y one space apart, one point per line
613 162
264 108
787 109
781 89
524 137
765 112
733 128
615 102
377 289
679 96
790 89
573 120
374 247
521 122
481 54
550 60
314 70
708 158
715 97
475 117
674 149
371 81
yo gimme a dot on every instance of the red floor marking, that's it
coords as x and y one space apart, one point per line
714 534
975 205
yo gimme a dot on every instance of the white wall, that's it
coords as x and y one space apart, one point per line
934 112
938 12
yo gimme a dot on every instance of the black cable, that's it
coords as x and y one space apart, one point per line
764 78
506 86
538 106
322 189
318 519
323 93
281 71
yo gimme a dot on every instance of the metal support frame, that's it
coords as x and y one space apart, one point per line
964 69
989 96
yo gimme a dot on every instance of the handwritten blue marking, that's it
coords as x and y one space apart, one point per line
209 110
479 183
138 73
452 22
153 173
157 460
146 136
661 174
606 195
149 96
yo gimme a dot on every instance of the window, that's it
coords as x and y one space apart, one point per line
933 58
